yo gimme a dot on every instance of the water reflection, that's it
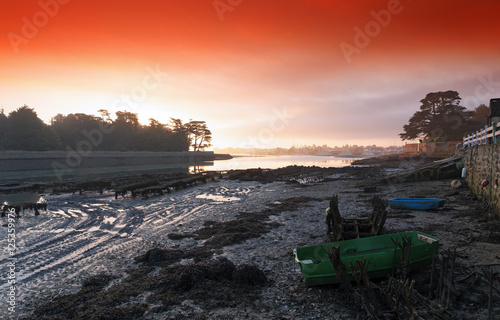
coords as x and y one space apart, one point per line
273 162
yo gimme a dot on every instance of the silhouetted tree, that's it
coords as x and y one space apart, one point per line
199 135
71 128
3 124
127 119
440 116
126 135
105 116
180 134
480 116
177 125
25 131
153 123
158 137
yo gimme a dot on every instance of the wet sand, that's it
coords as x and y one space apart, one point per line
87 235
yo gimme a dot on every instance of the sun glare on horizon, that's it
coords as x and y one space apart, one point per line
186 61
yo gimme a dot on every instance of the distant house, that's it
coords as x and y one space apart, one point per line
432 148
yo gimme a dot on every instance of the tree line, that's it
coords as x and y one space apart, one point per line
22 129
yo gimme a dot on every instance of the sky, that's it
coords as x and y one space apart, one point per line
261 73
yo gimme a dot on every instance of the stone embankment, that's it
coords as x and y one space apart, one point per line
59 165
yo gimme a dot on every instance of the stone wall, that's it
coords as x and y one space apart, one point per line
483 162
61 164
432 149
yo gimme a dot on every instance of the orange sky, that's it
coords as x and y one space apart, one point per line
261 73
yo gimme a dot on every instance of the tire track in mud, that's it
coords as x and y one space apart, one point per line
190 209
46 256
62 259
48 239
86 253
71 247
158 229
65 275
48 253
95 234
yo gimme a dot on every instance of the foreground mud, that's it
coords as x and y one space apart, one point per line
224 250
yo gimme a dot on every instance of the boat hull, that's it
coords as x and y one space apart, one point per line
317 268
416 203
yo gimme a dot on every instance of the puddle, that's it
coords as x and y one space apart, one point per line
217 198
76 213
110 220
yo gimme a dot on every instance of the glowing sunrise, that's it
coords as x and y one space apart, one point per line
279 72
249 159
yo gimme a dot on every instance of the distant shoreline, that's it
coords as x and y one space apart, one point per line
394 160
222 156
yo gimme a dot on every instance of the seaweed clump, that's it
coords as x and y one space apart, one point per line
162 257
147 290
248 224
249 275
221 234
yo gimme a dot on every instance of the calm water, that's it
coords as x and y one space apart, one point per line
247 162
273 162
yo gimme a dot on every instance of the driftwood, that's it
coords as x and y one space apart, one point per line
401 268
399 296
334 221
366 289
445 290
340 270
339 228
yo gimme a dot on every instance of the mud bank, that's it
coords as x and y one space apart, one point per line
161 257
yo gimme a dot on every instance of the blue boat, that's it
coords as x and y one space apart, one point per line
416 203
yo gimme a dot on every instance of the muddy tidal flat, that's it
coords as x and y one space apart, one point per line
224 250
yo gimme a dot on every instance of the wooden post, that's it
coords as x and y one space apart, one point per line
494 131
340 268
485 134
489 278
451 279
334 221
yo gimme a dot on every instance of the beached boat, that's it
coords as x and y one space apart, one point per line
416 203
381 251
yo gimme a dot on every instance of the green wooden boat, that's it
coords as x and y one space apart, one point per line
317 268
